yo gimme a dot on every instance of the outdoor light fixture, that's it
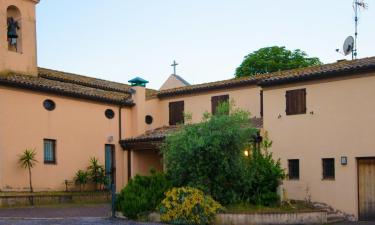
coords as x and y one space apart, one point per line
344 160
246 153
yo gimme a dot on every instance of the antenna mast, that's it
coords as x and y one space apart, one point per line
357 4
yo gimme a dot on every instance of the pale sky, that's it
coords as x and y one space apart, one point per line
120 39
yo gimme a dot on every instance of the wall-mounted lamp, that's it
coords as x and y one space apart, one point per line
246 153
110 139
344 160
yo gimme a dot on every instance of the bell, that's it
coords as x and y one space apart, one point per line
12 28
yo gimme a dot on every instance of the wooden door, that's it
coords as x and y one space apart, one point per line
366 189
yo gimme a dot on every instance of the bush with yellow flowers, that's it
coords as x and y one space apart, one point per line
188 205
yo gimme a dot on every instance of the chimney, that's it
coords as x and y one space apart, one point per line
138 111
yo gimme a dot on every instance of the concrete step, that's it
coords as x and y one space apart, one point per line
332 218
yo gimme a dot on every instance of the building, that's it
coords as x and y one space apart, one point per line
320 119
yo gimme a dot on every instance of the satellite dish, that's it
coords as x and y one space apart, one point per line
348 45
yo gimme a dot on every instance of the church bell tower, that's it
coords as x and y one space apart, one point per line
18 37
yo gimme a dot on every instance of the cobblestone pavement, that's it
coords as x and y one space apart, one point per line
356 223
71 221
63 215
59 211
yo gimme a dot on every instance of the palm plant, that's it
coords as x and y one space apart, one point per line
81 179
27 160
95 171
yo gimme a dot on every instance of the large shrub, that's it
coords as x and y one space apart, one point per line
209 155
188 205
142 194
263 176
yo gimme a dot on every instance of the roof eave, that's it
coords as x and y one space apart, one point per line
316 76
124 102
163 94
130 143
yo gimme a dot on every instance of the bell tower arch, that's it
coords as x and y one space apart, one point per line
18 51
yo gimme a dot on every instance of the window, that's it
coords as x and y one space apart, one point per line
49 105
49 151
295 102
149 119
216 101
176 112
328 168
109 113
293 167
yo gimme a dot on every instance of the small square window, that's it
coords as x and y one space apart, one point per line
293 167
328 168
49 151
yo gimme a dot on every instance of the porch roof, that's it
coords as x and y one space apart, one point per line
152 139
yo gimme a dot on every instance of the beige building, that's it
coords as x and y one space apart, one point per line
320 119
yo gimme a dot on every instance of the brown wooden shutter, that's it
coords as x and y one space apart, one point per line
261 103
295 102
216 100
176 112
303 108
288 97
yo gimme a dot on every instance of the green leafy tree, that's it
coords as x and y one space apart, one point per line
209 155
81 179
272 59
28 160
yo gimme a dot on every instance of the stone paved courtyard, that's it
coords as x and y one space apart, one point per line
70 221
58 211
62 215
77 215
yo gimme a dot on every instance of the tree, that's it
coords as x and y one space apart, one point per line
27 160
272 59
209 155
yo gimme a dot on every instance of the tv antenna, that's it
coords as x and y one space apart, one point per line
350 44
357 5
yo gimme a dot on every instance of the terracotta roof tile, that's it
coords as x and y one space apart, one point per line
159 134
235 82
65 88
88 81
314 72
340 68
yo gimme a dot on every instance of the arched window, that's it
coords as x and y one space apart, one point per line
14 29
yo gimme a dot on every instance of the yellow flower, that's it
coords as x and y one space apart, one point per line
188 205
